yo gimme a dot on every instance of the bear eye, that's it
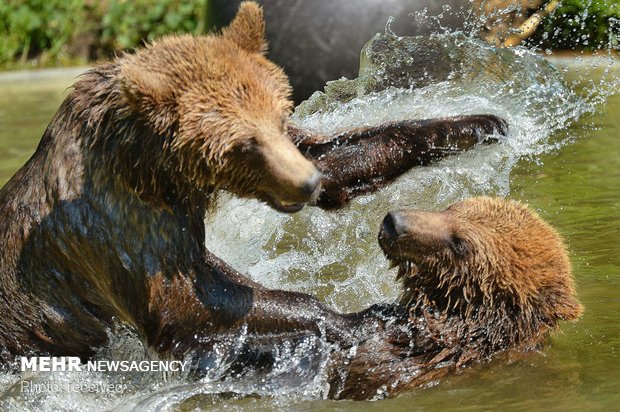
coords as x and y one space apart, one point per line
458 246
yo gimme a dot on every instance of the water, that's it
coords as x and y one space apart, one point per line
561 156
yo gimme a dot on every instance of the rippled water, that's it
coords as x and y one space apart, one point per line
561 156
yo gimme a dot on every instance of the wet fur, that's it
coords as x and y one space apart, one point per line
364 160
105 222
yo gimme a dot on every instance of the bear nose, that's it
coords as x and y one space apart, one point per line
311 186
395 224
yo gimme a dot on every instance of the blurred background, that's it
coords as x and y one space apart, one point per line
314 40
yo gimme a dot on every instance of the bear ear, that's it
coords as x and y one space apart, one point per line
149 93
248 28
141 84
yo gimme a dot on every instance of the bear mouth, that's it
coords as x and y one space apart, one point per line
388 241
285 207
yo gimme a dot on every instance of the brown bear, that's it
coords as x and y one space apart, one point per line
105 223
484 276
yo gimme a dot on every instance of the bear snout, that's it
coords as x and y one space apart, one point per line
393 225
312 186
414 233
289 180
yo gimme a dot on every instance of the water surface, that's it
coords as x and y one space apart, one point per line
570 174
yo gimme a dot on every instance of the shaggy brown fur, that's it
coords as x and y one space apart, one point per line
481 277
106 221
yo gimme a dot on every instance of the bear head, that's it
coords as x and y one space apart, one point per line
221 109
490 262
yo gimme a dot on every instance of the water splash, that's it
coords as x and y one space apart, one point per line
87 390
335 255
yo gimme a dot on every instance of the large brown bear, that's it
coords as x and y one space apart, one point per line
484 276
105 222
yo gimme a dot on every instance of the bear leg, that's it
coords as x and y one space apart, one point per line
364 160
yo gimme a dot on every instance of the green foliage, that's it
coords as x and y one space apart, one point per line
578 24
27 28
127 23
46 32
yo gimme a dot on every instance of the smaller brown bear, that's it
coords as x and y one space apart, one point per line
484 276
